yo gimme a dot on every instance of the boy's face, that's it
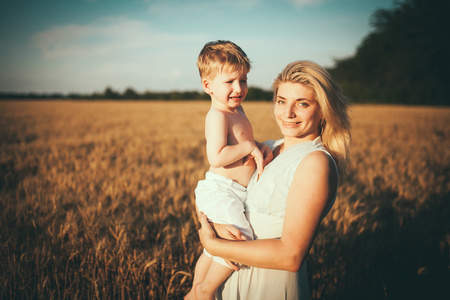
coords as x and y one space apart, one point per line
227 89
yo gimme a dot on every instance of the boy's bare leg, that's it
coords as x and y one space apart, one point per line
201 269
217 274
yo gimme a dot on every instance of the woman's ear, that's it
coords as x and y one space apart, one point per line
206 86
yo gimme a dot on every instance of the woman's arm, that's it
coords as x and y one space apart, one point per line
312 189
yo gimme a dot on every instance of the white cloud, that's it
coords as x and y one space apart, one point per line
110 36
176 73
116 52
303 3
199 7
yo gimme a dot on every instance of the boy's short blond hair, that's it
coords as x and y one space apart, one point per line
221 56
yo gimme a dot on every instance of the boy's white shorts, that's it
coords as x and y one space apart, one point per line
222 200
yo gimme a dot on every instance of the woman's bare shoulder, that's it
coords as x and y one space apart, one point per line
317 159
318 168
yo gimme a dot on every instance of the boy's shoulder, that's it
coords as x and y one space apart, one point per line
218 116
215 115
215 112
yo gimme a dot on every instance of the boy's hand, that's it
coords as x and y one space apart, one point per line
267 153
259 159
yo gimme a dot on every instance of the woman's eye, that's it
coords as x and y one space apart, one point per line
303 104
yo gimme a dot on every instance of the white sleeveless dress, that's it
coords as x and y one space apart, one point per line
265 207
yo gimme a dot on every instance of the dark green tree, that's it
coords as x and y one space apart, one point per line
111 94
130 94
255 93
405 59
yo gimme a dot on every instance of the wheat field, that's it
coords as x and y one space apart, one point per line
96 201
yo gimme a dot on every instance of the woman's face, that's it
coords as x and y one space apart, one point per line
297 112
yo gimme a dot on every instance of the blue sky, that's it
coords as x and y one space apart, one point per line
83 46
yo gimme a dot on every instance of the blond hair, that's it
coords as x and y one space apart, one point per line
335 126
220 56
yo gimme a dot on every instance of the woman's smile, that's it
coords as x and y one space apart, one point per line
290 124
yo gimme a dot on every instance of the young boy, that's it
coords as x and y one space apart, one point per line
232 153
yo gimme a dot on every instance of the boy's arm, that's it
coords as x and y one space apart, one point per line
219 153
267 153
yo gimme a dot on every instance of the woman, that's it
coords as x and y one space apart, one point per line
296 190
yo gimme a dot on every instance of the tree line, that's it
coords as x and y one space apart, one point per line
404 60
254 94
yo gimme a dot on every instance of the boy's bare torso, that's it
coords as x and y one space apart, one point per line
239 130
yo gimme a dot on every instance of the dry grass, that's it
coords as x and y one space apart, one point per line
96 201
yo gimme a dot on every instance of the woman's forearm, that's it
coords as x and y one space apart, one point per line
263 253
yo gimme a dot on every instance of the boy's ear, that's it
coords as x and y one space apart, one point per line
206 86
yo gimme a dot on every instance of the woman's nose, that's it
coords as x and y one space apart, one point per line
289 112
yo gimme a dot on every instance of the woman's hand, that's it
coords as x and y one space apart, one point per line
206 232
228 232
223 231
208 235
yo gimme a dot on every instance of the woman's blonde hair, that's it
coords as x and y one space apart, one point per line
219 55
335 126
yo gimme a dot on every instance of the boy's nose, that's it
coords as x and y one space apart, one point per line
237 87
